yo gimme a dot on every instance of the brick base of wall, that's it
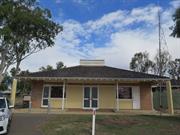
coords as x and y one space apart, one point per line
146 97
36 94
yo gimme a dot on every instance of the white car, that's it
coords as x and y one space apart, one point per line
5 115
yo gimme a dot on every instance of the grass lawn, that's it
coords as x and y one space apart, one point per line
112 125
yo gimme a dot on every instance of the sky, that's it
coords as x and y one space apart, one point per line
113 30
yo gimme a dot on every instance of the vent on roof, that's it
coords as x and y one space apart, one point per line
92 62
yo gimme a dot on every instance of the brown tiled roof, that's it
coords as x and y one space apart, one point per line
93 72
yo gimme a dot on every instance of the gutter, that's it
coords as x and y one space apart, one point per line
92 78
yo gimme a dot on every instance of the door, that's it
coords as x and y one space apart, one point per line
45 96
90 97
136 97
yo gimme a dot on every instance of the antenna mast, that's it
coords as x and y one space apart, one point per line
159 32
160 56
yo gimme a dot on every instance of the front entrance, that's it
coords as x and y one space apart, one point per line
90 97
136 97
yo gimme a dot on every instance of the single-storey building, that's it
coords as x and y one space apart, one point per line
92 84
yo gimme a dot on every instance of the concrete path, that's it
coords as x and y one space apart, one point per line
27 124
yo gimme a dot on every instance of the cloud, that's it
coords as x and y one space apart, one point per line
115 37
175 3
122 18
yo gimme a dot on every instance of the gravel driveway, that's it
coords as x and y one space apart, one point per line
28 124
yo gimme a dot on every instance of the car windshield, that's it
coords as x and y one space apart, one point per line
2 103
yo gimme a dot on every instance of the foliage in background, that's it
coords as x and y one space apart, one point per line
23 86
141 62
25 29
174 69
176 27
59 65
6 83
165 59
47 68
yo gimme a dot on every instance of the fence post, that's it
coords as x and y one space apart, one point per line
30 106
169 97
49 107
93 121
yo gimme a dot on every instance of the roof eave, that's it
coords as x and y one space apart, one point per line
93 78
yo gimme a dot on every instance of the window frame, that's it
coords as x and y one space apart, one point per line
49 97
131 96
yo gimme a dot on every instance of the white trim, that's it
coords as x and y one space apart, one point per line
49 97
136 98
91 86
64 87
43 96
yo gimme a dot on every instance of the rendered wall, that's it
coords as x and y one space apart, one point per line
107 97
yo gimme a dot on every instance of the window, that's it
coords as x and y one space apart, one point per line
125 93
46 92
2 103
57 92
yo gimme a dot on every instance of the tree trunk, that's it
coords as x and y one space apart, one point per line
17 68
1 78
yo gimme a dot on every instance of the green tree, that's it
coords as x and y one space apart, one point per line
24 86
174 69
47 68
141 62
176 27
6 82
60 65
25 29
165 59
14 71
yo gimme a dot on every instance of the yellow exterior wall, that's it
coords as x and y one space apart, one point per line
125 104
56 102
107 97
74 94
